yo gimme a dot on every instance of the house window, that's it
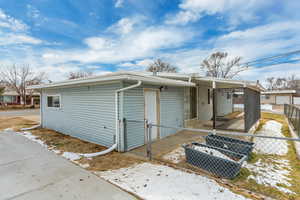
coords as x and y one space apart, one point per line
53 101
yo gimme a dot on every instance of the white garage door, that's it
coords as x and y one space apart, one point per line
297 100
282 100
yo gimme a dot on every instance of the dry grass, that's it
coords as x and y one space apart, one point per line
111 161
65 142
15 123
233 115
242 181
17 107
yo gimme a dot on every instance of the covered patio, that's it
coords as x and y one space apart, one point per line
210 105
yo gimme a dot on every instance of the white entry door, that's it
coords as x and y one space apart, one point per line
151 110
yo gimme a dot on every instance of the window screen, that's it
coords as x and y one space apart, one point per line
53 101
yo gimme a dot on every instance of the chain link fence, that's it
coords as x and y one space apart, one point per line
264 162
292 112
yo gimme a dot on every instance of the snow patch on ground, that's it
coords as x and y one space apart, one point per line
71 156
32 138
262 106
271 172
8 130
85 165
158 182
175 156
271 146
212 152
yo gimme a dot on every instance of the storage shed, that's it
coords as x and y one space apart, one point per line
93 108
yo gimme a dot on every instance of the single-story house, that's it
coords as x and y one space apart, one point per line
11 97
93 108
280 97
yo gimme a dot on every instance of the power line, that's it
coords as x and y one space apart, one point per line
271 58
278 63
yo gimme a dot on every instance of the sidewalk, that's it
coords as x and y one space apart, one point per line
29 171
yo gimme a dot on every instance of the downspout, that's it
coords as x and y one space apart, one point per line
117 138
117 109
41 115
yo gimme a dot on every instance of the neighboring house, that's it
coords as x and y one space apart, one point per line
11 97
93 108
280 97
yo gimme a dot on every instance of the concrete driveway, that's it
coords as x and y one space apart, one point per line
19 113
29 171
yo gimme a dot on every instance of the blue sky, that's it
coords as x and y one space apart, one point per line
59 36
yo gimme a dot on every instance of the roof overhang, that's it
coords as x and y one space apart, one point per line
220 82
280 92
115 77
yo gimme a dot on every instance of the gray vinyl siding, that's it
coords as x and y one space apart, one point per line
133 105
86 112
171 113
171 110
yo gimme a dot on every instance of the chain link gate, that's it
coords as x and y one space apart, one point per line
292 113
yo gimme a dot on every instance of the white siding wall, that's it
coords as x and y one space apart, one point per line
224 104
204 109
171 112
86 112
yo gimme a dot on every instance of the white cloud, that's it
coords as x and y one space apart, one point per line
123 26
119 3
13 39
253 43
261 40
97 43
11 23
282 70
236 10
14 32
139 65
136 45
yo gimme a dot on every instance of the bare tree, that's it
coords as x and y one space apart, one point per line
161 66
1 90
280 83
219 65
271 83
79 74
19 78
292 82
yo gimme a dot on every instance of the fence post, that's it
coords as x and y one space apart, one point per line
125 134
298 122
284 109
150 141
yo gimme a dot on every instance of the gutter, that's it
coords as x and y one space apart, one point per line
117 140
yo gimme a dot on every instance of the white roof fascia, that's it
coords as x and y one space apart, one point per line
280 92
238 83
117 76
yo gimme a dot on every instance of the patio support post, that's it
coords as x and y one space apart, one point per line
214 105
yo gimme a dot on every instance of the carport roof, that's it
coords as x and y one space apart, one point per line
118 76
220 82
280 92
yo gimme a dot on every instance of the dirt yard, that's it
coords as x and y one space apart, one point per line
63 143
16 122
17 107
